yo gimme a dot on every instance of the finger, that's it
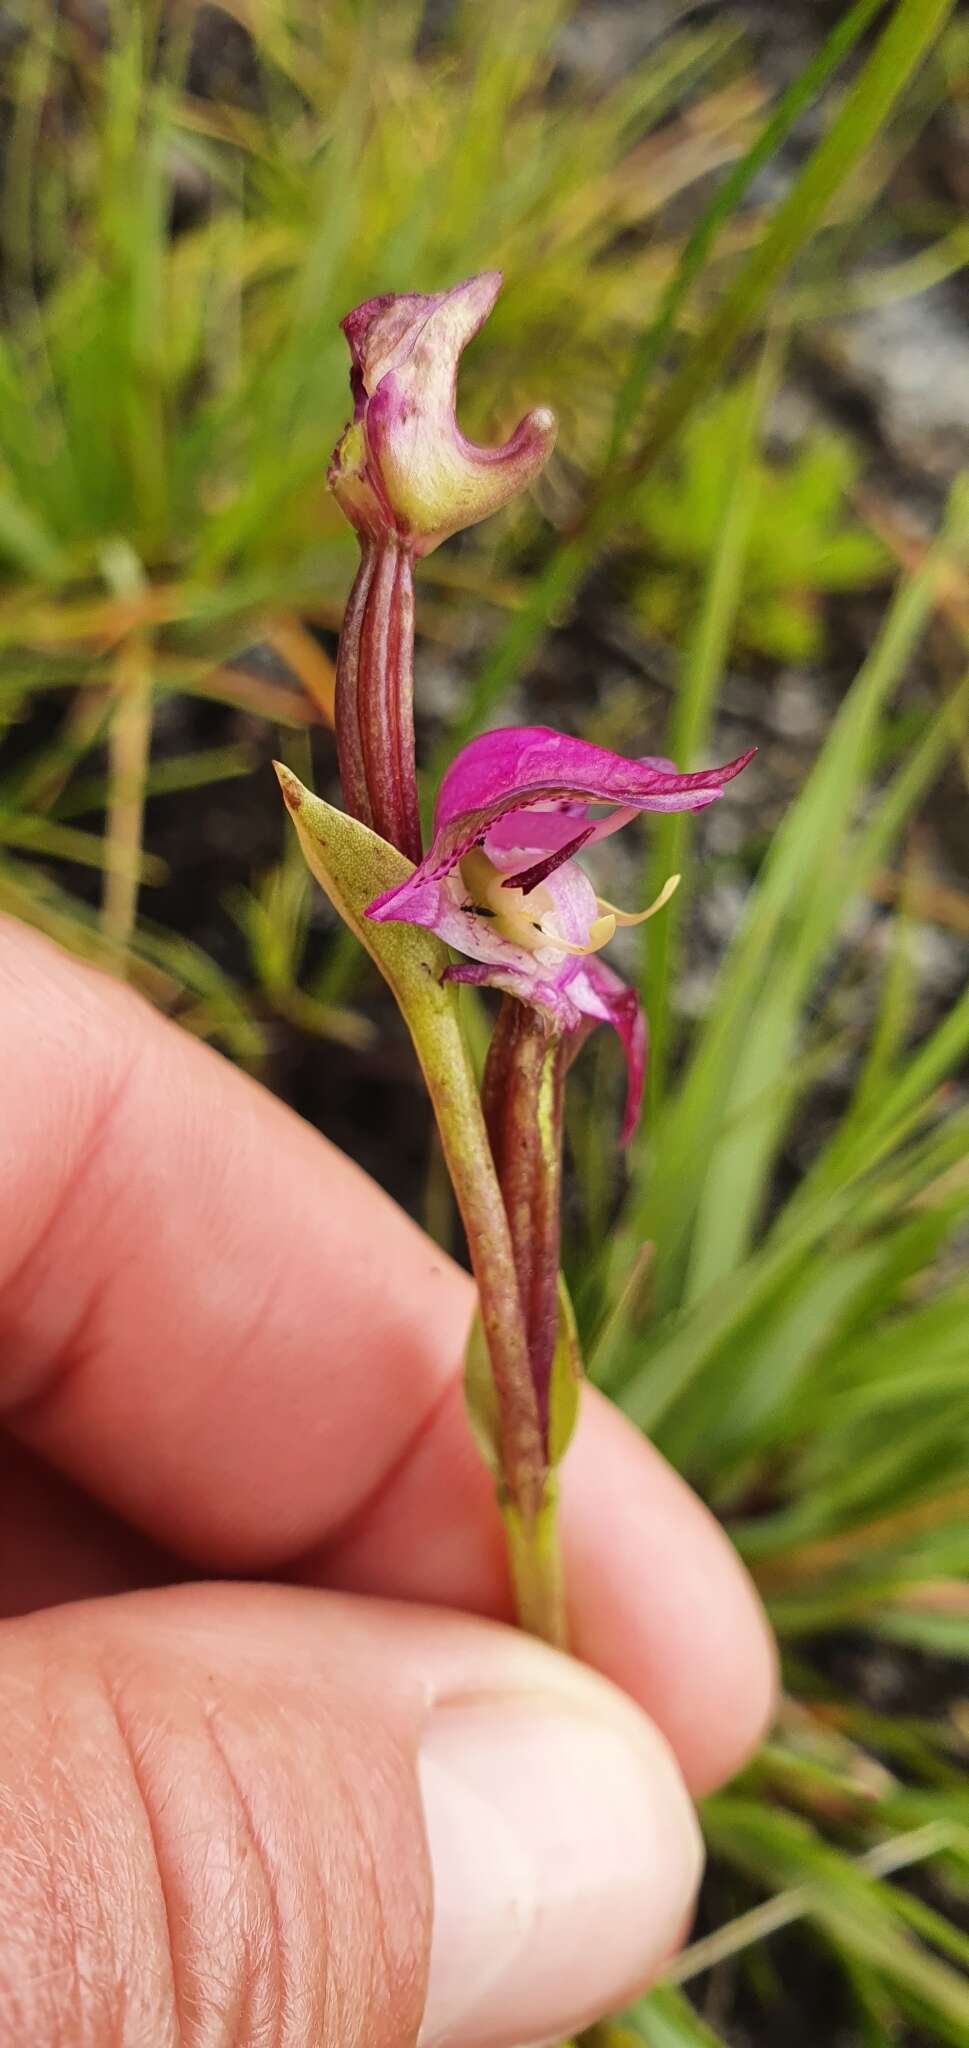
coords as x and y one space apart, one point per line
254 1814
656 1598
418 1542
57 1544
218 1325
204 1308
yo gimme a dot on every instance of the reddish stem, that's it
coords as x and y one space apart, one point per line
375 697
522 1096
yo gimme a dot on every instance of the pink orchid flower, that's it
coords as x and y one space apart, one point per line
403 468
501 884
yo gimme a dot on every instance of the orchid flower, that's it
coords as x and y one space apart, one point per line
403 467
406 477
501 884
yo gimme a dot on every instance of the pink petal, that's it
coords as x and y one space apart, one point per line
604 996
542 991
503 773
525 764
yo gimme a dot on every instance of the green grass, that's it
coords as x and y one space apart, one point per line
167 407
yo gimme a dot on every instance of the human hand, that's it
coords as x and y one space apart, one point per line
267 1813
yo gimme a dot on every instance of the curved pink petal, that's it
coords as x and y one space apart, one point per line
523 764
504 773
605 998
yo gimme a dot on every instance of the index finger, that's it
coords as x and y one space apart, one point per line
217 1324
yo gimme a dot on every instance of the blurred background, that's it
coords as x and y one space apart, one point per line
734 239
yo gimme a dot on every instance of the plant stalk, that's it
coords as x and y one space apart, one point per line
521 1096
535 1562
374 702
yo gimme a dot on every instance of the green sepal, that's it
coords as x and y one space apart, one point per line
353 865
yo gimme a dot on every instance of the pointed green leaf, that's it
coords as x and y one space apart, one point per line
480 1399
566 1382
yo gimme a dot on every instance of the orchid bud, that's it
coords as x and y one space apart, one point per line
403 468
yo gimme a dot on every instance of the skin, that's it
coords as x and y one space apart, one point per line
224 1352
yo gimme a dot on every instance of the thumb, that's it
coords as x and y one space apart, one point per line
257 1815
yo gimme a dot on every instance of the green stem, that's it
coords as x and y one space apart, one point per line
535 1561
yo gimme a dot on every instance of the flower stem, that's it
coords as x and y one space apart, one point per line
522 1095
535 1562
522 1101
375 696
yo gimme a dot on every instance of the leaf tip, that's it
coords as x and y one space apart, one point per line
292 788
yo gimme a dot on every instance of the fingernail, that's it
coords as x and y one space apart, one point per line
565 1854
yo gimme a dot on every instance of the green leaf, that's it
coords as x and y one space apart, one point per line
480 1399
24 541
666 2019
566 1381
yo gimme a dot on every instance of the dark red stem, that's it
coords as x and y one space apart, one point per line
375 697
522 1095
